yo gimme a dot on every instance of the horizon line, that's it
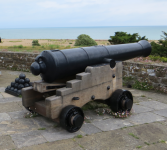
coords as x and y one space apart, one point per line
86 27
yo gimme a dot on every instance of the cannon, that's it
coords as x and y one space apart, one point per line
73 77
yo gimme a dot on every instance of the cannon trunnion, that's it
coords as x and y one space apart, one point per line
71 78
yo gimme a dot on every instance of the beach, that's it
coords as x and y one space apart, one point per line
25 45
43 42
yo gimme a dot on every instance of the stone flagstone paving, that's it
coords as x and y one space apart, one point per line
20 132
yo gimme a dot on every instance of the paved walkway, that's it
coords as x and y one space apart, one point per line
145 129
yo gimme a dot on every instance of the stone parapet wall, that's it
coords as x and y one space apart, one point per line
149 75
17 61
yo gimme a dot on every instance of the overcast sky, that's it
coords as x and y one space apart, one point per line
82 13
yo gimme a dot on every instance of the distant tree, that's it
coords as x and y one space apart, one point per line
160 48
84 40
35 43
123 37
163 40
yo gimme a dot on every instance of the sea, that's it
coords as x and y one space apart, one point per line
151 32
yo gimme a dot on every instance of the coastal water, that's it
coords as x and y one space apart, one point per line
151 32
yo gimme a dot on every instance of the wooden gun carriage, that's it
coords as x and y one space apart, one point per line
61 96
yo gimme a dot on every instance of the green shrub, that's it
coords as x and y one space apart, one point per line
68 46
15 46
85 40
154 58
51 46
54 46
160 48
57 46
35 43
142 85
123 37
20 46
163 59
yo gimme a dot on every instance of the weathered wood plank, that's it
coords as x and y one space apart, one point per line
42 87
29 96
54 104
40 107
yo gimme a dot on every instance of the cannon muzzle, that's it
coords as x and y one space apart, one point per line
56 64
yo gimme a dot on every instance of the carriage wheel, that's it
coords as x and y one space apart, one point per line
71 118
121 100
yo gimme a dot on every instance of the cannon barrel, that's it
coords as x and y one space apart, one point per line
56 64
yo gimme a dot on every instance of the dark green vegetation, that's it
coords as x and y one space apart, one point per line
79 136
160 48
123 37
162 141
85 40
139 146
94 105
19 46
35 43
154 58
137 84
142 85
133 135
42 129
146 143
